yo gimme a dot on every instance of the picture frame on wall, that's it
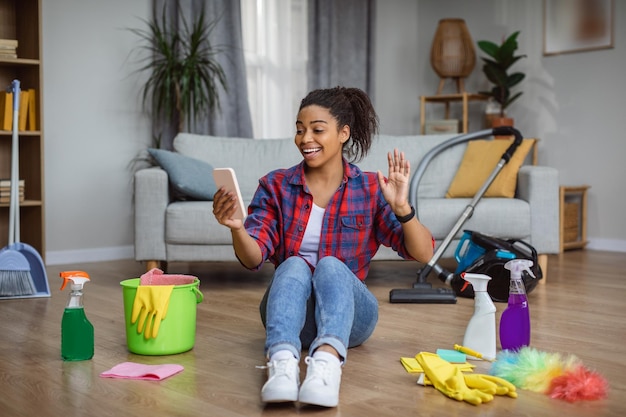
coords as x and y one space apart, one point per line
577 25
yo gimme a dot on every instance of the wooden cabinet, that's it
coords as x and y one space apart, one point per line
463 98
21 20
573 218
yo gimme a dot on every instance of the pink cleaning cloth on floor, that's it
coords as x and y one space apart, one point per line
131 370
156 277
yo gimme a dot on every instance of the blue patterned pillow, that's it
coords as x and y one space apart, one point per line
188 176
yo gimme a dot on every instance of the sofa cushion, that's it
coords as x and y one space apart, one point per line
250 158
193 223
437 178
491 216
480 159
188 176
270 154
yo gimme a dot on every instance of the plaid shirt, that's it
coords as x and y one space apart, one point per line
356 222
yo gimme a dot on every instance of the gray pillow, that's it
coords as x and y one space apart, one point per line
190 177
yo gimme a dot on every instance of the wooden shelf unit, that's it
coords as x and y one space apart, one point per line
21 20
463 98
573 217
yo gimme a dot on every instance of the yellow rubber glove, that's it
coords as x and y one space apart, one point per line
150 307
449 380
412 367
486 383
490 384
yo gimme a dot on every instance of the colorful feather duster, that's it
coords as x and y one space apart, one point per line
559 376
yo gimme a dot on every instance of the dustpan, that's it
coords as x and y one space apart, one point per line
37 271
16 253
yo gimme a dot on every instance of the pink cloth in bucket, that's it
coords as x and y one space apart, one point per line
131 370
156 277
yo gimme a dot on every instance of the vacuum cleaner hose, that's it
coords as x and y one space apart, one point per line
509 131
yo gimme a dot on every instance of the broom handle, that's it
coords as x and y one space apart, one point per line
14 210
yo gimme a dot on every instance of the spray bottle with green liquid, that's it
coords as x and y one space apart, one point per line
77 336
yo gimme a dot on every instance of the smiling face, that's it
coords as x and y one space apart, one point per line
319 138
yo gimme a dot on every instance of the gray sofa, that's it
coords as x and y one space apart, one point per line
169 230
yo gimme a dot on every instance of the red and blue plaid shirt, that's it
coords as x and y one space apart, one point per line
356 222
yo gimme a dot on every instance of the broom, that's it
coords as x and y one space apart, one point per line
15 276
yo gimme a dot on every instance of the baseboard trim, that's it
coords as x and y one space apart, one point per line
609 245
128 252
89 255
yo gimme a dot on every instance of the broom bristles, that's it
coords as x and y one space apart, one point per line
15 276
15 283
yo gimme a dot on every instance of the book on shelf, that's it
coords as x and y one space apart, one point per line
32 109
6 199
27 118
5 191
6 183
23 113
6 110
8 48
8 43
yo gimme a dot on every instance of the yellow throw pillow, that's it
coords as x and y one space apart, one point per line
479 161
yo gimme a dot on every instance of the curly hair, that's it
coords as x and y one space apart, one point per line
352 107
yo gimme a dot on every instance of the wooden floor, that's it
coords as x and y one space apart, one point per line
580 310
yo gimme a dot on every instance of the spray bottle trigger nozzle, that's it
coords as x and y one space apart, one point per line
466 282
517 266
77 277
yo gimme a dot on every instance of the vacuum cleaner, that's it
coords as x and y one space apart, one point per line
422 291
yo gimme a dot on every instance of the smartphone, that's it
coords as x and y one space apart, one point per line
226 178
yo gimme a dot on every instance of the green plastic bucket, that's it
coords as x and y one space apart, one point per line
177 332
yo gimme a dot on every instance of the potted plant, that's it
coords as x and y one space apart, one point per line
184 74
496 68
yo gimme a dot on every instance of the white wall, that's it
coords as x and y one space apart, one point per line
93 125
573 102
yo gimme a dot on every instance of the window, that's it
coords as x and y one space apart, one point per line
276 53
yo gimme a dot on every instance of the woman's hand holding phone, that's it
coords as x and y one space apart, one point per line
228 206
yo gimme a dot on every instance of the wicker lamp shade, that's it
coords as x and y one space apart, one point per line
452 54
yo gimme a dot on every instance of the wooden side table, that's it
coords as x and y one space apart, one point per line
464 98
573 217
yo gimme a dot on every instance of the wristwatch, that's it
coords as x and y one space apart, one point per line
408 217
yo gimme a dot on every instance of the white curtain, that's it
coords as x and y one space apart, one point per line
276 53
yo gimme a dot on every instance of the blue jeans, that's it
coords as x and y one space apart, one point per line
308 309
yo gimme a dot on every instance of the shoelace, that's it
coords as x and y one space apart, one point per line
319 368
280 368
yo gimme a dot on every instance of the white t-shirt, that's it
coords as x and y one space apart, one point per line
311 239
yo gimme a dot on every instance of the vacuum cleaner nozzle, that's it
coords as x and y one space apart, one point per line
423 292
422 296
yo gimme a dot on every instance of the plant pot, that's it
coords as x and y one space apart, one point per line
498 121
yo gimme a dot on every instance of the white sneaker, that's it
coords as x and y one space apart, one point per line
282 382
321 385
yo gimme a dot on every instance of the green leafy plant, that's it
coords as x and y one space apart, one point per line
496 69
184 73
